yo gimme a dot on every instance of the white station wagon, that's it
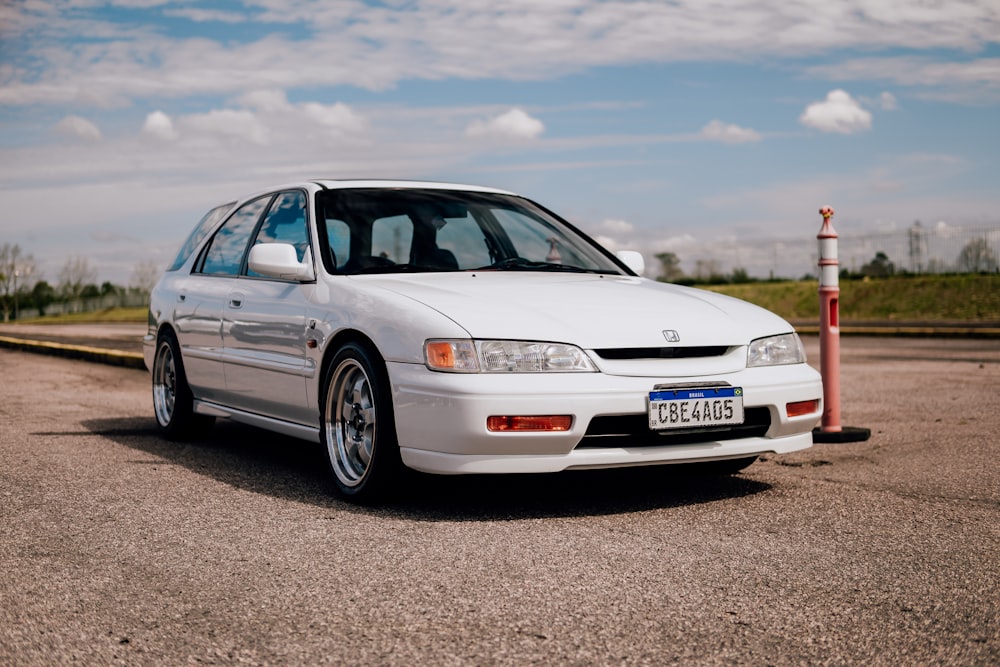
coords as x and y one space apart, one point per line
459 329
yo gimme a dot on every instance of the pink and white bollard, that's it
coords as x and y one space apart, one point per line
830 429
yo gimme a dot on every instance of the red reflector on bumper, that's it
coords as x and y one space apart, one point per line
802 408
529 422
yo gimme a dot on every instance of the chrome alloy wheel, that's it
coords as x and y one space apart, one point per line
350 421
164 383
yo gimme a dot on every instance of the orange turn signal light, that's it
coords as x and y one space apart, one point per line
440 355
509 423
800 408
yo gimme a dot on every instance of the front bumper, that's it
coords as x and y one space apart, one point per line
441 418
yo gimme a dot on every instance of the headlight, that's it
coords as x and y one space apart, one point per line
776 350
504 356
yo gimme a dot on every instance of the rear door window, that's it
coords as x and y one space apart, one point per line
285 223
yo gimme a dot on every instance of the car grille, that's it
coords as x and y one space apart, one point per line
633 431
617 353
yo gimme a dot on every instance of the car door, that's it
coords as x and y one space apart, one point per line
264 325
201 298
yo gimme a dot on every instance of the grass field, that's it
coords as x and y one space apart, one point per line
107 315
965 298
968 298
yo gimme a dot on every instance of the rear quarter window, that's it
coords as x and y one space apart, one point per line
201 230
224 254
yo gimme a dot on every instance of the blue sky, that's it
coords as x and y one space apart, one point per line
658 126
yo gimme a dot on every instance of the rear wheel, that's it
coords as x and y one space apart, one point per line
173 402
358 425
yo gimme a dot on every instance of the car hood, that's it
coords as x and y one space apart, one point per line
592 311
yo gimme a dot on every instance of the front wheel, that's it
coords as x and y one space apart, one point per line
358 426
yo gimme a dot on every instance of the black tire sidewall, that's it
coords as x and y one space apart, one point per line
183 421
384 469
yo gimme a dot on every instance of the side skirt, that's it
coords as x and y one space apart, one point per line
290 429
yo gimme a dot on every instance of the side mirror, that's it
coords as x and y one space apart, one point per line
632 260
279 260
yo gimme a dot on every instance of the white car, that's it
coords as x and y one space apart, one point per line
458 329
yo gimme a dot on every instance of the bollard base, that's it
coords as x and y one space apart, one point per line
846 434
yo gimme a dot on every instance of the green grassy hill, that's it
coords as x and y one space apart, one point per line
972 298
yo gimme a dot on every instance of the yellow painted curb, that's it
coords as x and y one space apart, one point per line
85 352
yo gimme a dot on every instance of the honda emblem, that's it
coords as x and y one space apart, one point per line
672 336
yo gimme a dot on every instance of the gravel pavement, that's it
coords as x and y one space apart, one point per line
119 547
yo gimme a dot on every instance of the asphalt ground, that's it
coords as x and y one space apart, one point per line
119 547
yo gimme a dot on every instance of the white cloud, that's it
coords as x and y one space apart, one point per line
515 124
614 226
241 124
159 125
728 134
888 102
913 71
267 101
338 117
677 242
839 113
377 46
946 229
79 128
965 81
206 15
273 113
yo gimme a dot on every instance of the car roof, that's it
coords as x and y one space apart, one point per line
334 184
390 184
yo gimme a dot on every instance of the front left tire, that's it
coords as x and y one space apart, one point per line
358 428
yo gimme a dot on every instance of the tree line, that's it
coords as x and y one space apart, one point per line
976 256
23 286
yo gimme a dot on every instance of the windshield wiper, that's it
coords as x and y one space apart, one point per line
522 264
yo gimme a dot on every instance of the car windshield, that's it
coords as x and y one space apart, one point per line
381 230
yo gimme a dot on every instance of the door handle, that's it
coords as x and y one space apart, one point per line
235 302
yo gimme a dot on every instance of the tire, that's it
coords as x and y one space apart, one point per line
173 403
358 427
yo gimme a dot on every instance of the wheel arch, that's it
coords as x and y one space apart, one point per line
166 327
173 401
334 345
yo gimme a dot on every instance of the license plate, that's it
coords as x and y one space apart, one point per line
691 408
